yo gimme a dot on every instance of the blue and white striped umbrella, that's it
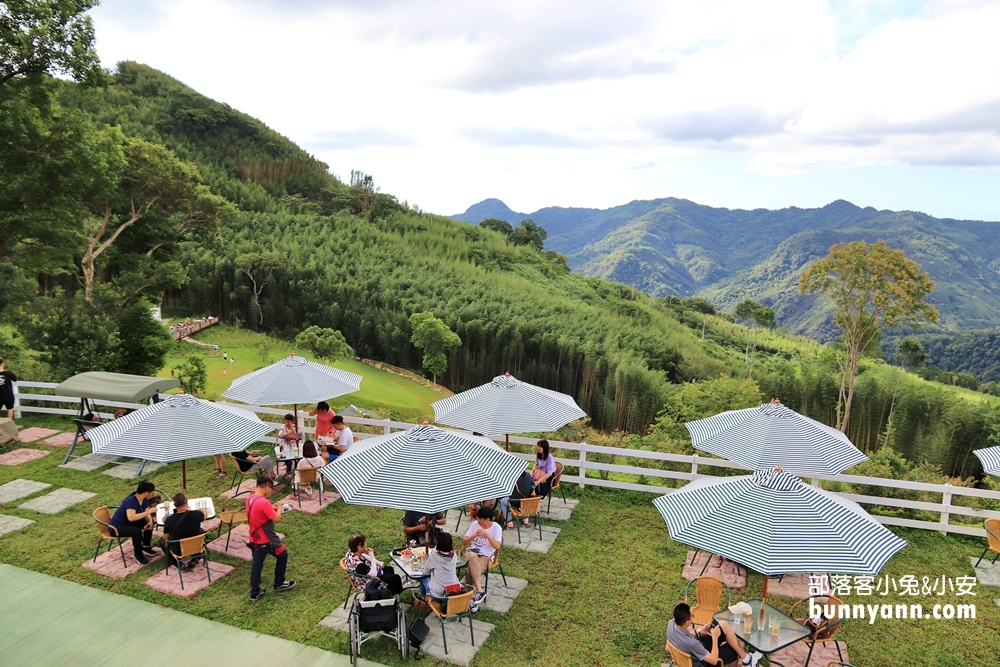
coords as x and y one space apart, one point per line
775 524
292 381
773 435
425 469
507 405
990 458
179 428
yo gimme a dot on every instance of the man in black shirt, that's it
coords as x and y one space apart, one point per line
417 524
183 523
7 380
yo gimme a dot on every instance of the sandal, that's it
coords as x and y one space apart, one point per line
510 524
525 522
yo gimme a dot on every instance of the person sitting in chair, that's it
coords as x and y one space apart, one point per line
481 540
545 468
250 461
524 487
417 525
180 525
310 459
135 518
709 643
441 568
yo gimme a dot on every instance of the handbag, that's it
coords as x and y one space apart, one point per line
417 633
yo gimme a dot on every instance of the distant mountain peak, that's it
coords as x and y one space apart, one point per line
490 208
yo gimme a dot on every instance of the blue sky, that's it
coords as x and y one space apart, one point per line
769 104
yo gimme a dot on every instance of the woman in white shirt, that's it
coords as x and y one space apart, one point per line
310 459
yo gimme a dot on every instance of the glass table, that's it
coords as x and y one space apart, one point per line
762 639
165 509
415 575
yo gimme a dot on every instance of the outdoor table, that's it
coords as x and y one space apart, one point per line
285 455
165 509
416 575
761 639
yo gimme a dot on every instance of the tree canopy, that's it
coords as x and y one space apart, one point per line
47 37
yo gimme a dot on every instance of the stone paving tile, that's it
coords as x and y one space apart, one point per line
997 601
131 469
57 501
560 510
247 486
311 505
499 596
795 655
460 648
34 433
194 580
987 574
60 440
90 462
795 585
237 548
8 524
19 456
109 563
529 539
20 488
735 578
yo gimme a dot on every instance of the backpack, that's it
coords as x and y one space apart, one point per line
377 590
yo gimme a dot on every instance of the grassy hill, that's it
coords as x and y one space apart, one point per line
676 247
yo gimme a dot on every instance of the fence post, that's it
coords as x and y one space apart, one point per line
815 482
386 429
946 503
583 464
17 401
694 466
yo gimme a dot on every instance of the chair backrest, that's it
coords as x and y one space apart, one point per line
557 477
235 516
992 533
530 506
308 475
190 546
494 559
457 604
709 591
680 658
103 519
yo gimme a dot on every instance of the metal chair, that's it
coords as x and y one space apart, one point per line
190 547
530 507
238 472
494 563
679 658
458 607
309 476
827 632
353 587
108 532
377 618
992 527
556 484
708 590
230 518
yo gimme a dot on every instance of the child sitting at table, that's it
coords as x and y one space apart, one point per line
310 459
288 436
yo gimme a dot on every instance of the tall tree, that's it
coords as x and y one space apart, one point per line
911 353
755 316
433 336
325 343
502 227
529 233
47 37
259 267
872 286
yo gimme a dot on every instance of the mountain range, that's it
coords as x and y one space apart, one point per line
677 247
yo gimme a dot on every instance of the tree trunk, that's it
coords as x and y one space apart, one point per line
852 368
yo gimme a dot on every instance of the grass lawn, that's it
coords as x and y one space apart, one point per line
387 394
601 596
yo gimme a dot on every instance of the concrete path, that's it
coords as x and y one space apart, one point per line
20 488
57 501
8 524
987 574
48 621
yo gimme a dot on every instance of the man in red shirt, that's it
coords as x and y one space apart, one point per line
262 516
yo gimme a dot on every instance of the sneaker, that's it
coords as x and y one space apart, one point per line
308 492
755 657
190 565
478 598
149 550
142 560
286 586
254 598
417 595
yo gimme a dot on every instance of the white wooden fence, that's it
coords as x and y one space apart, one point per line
595 458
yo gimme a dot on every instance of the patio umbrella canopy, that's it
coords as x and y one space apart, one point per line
425 469
507 405
179 428
292 381
990 458
773 435
795 527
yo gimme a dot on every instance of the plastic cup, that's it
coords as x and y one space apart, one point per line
775 626
747 623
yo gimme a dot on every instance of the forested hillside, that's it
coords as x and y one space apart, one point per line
674 246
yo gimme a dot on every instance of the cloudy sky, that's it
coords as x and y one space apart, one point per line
886 103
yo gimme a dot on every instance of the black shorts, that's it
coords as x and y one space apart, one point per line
726 652
6 402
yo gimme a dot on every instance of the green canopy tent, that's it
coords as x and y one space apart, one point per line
119 387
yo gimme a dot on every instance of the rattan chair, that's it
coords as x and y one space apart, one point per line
108 532
992 527
230 518
190 547
458 607
679 658
238 473
494 563
352 587
530 507
828 632
556 484
708 591
309 476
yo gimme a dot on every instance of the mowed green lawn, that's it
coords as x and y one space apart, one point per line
601 597
385 393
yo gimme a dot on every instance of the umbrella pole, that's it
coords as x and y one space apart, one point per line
763 600
506 438
184 474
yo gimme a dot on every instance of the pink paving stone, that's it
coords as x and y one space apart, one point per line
109 563
794 585
237 546
312 505
18 456
34 433
248 485
795 655
60 440
194 580
725 570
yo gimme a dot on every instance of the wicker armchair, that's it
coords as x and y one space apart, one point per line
189 547
992 527
826 633
556 484
352 586
679 658
309 476
530 507
708 591
230 518
458 607
108 532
